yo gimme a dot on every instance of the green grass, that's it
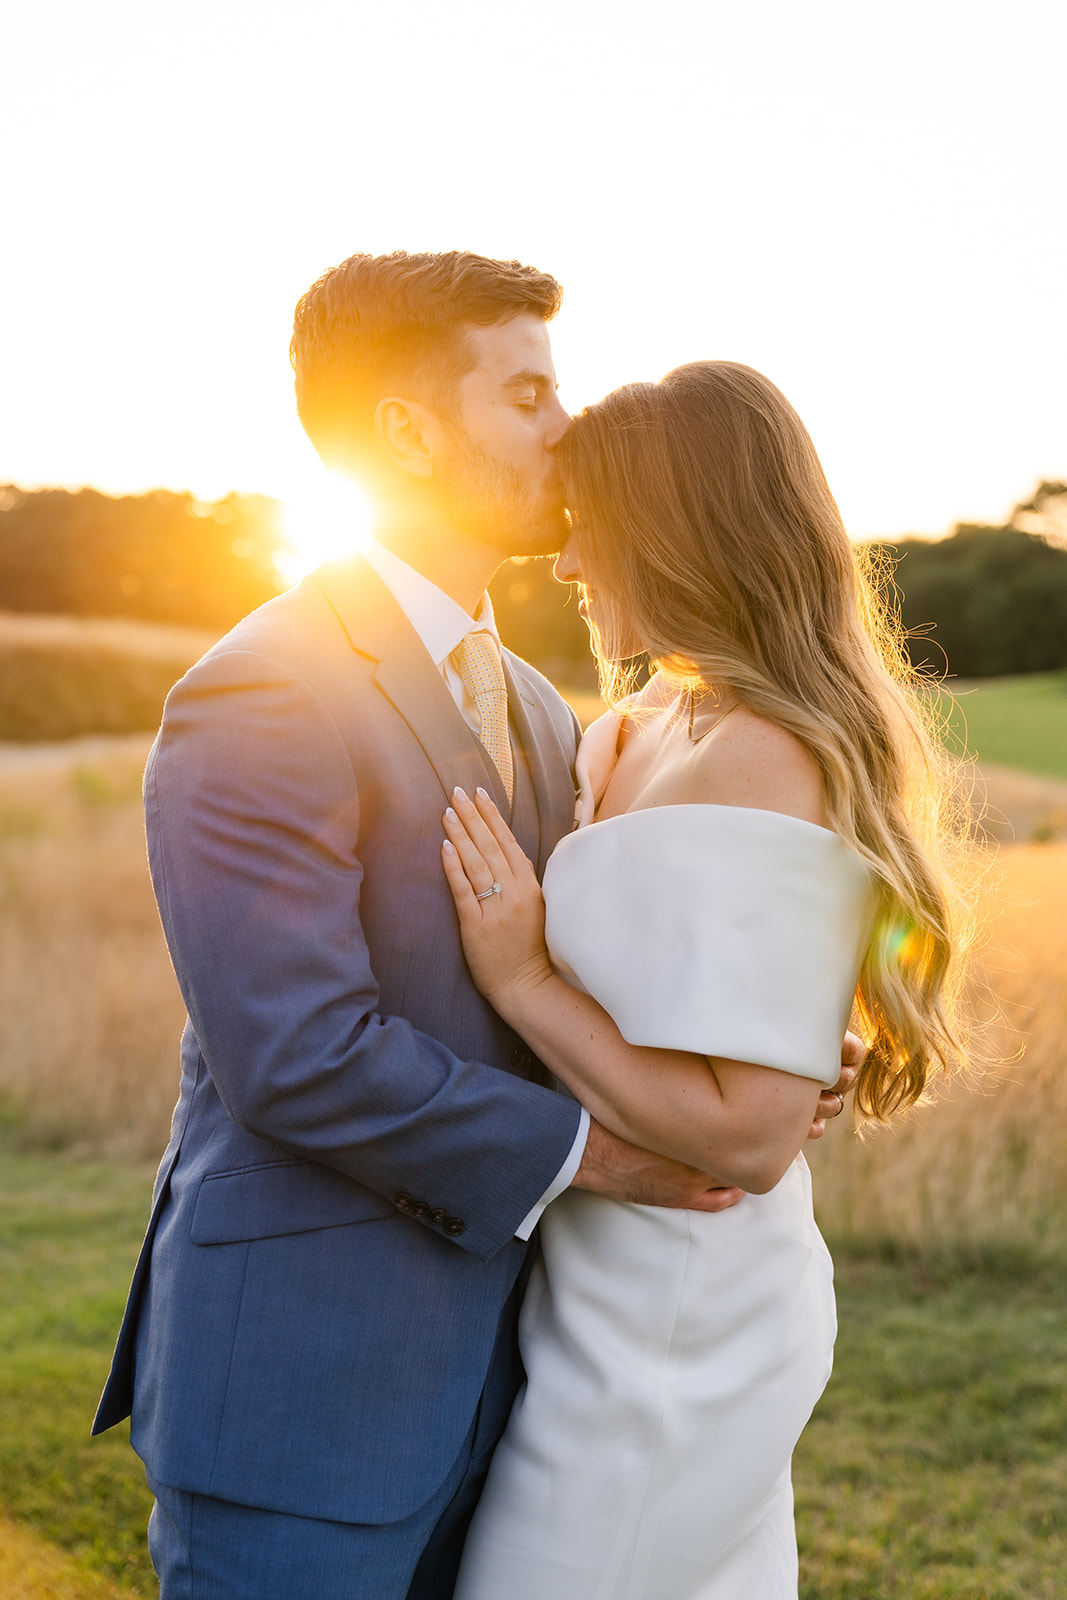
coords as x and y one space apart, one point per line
1015 722
935 1467
69 1234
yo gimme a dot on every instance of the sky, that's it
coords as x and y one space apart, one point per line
865 201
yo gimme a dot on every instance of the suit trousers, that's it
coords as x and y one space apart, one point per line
208 1549
205 1549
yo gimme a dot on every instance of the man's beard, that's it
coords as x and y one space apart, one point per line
491 499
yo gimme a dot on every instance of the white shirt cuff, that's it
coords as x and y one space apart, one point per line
561 1181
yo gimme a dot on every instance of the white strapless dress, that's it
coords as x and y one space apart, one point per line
674 1357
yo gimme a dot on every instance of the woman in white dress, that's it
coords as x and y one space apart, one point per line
763 849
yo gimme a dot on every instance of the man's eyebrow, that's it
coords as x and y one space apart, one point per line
528 377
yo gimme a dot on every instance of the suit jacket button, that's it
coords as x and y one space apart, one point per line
439 1217
521 1057
454 1226
420 1209
403 1201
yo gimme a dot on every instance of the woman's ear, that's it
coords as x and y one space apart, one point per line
409 433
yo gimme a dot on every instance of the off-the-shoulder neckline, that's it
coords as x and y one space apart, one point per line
706 806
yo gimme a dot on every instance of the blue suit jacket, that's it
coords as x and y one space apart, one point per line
358 1134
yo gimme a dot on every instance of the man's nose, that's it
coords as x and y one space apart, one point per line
558 424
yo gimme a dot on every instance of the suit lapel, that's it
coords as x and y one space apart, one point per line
549 763
414 685
409 679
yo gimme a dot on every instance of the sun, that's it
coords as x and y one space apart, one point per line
324 517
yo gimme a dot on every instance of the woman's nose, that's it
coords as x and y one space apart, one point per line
566 568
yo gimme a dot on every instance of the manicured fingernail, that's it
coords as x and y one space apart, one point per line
483 792
451 815
449 848
458 794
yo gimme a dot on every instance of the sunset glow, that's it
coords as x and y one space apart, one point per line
857 201
324 518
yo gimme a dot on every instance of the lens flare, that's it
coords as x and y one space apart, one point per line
902 942
324 519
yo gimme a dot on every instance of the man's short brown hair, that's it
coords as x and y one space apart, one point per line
377 325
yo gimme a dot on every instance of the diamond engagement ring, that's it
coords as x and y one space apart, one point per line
496 889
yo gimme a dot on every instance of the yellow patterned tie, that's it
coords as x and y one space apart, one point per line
478 661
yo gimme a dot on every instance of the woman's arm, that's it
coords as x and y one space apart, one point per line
741 1121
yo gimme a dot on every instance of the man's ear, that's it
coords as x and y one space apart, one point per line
409 433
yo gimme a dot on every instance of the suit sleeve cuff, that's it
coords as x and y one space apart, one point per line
561 1181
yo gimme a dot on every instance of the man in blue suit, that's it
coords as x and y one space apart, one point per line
318 1351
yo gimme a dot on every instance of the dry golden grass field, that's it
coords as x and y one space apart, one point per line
65 676
89 1010
118 635
983 1168
90 1019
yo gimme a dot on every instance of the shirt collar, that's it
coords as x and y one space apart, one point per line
440 622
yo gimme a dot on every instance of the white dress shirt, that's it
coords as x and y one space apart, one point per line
441 623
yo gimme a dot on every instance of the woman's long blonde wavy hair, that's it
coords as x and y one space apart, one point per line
704 521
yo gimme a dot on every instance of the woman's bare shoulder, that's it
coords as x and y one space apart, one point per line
748 761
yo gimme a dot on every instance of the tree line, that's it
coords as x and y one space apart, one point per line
159 557
984 601
987 601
